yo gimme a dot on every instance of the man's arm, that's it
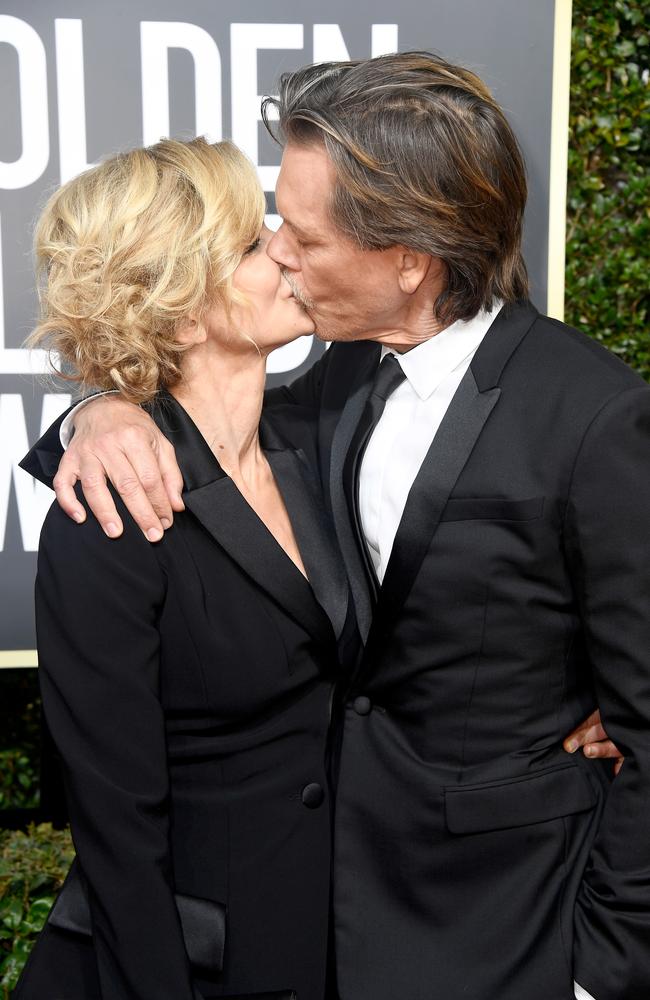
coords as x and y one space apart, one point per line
608 546
118 441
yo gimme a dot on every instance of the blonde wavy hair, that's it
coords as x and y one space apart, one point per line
129 249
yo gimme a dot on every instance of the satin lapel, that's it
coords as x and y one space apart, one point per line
348 543
224 513
433 484
215 501
310 522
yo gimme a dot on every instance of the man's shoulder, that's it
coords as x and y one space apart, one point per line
569 354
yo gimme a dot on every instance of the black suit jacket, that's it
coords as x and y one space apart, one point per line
474 857
188 688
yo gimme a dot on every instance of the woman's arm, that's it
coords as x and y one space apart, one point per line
97 603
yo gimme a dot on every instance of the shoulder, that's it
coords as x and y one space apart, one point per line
72 545
571 355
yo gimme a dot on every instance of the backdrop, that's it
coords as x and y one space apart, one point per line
82 78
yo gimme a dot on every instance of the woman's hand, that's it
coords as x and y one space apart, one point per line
117 440
591 736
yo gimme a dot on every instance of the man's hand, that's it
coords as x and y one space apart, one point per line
594 741
118 440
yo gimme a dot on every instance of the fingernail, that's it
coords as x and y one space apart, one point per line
166 523
572 746
590 751
112 529
154 534
79 516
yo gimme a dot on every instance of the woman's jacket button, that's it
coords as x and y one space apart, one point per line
312 795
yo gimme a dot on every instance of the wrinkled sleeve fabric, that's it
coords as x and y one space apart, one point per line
97 606
42 459
608 543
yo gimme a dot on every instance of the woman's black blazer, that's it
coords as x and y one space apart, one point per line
187 686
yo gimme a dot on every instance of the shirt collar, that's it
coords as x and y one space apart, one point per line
426 365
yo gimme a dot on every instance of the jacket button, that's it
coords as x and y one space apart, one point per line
362 705
312 795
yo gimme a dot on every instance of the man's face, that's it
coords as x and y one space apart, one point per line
351 294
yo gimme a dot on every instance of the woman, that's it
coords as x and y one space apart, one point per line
187 684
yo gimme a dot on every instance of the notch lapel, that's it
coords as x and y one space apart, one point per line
442 465
345 532
475 398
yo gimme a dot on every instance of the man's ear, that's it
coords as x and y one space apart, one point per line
191 330
413 267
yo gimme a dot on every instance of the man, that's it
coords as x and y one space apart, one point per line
489 484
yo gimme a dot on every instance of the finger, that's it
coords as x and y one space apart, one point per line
145 466
64 484
595 734
576 738
171 475
98 497
603 749
126 481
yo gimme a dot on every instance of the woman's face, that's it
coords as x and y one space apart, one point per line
271 316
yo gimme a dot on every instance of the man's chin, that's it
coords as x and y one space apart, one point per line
330 334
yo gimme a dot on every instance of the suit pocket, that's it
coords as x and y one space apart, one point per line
533 798
203 921
492 509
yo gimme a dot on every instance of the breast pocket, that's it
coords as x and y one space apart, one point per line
492 509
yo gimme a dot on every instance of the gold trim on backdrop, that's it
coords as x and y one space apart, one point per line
559 159
16 658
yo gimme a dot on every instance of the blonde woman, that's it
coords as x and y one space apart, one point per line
187 684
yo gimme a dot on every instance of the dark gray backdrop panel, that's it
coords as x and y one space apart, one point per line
508 42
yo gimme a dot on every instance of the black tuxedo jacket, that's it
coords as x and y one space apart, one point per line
188 688
474 858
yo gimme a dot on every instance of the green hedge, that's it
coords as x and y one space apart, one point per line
33 865
608 223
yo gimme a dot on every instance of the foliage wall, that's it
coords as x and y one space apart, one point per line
608 211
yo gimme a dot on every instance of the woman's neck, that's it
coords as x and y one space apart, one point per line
223 391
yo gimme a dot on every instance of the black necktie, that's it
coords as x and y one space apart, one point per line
388 376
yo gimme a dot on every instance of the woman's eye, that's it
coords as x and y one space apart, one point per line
252 247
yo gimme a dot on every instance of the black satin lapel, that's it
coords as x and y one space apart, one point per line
310 521
344 527
226 515
433 484
215 501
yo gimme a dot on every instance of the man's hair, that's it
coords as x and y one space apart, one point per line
424 158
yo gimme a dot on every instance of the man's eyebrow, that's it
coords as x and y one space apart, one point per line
296 229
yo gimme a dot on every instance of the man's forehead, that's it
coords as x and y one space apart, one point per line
304 181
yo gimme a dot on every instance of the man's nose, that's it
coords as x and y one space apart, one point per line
279 250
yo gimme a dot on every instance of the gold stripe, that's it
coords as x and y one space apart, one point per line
12 658
559 158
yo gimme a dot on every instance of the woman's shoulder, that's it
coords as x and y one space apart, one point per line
63 537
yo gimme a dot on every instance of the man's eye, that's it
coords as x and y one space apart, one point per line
252 247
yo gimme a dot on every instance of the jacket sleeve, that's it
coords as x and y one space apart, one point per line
305 390
42 459
97 605
608 539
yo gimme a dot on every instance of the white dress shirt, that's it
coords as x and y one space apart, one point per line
405 431
408 425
